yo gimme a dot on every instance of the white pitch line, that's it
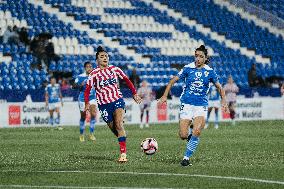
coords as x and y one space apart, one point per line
160 174
74 187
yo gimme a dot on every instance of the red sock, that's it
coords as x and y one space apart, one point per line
122 144
147 116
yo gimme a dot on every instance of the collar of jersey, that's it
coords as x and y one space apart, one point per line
192 65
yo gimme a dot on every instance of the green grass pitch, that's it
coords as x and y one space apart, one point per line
49 158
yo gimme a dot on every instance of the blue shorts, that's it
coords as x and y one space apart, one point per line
107 110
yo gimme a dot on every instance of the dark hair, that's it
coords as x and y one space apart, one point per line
99 49
205 51
86 63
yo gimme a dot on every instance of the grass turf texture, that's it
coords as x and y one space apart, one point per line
249 149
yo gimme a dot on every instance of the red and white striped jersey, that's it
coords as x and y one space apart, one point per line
105 82
231 91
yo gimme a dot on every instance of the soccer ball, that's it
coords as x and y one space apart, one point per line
149 146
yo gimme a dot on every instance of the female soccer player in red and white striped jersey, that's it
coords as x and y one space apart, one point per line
111 105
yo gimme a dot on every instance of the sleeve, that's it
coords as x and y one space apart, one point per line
182 73
214 78
46 90
89 85
120 73
123 76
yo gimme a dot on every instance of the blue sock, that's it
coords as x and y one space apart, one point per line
122 139
208 115
92 125
191 147
216 117
57 120
51 121
82 126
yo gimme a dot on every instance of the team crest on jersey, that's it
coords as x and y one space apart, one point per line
206 73
198 74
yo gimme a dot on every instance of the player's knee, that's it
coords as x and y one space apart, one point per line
196 132
83 116
93 115
118 126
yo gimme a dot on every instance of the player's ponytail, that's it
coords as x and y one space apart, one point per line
99 49
205 51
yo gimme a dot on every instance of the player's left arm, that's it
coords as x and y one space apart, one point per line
221 91
130 85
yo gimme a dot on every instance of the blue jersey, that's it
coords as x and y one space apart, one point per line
82 78
53 92
213 93
196 84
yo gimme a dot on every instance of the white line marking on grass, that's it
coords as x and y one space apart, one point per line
74 187
160 174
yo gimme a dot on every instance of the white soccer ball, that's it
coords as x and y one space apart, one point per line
149 146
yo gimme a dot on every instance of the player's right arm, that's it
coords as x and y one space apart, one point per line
168 88
221 91
182 74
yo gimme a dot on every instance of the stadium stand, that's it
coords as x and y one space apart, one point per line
273 6
154 37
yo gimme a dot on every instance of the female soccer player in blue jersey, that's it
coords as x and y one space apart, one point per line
194 102
53 97
80 82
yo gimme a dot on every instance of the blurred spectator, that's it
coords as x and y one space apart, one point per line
43 50
7 35
34 43
15 36
23 36
275 84
49 49
231 90
146 93
134 78
253 79
65 84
